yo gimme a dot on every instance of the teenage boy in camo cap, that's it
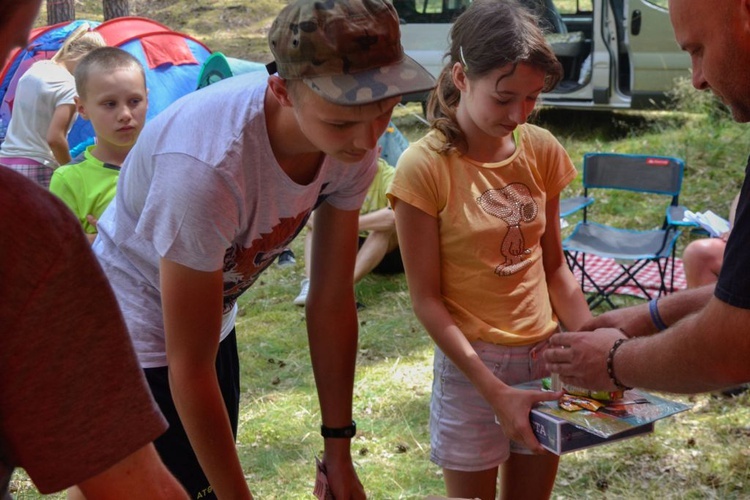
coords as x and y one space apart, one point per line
218 185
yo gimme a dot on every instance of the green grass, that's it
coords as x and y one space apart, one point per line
698 454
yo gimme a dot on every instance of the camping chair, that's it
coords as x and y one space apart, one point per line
632 249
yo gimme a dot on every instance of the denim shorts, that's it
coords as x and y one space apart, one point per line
464 435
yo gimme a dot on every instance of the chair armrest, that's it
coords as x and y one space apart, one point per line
676 216
571 205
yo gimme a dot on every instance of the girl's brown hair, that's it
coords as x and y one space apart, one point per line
489 35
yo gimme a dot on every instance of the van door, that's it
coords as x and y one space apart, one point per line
425 32
588 65
655 57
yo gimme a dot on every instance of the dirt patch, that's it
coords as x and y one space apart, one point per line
236 29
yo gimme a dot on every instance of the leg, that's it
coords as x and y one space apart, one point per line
392 262
480 484
372 251
301 298
465 440
528 476
702 260
74 493
308 250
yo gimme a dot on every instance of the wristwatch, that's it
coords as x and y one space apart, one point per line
339 432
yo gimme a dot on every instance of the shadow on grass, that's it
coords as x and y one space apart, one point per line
602 125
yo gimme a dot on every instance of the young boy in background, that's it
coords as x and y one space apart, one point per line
112 95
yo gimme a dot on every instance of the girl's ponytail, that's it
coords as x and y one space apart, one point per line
441 110
79 43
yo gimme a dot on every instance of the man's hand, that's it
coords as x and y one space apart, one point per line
580 358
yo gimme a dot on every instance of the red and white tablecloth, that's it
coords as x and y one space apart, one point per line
604 270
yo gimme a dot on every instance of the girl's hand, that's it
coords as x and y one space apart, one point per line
513 409
632 321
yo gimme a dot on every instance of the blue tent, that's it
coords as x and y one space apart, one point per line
172 62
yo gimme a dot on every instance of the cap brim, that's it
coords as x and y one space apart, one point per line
364 87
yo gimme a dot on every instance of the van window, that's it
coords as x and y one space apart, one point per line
429 11
574 6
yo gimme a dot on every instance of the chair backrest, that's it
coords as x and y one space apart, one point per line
643 173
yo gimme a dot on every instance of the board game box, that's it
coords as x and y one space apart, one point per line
562 431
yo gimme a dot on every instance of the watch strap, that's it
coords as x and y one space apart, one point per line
339 432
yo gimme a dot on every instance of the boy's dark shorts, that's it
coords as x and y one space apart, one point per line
173 446
391 263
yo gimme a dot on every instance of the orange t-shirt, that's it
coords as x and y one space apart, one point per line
491 219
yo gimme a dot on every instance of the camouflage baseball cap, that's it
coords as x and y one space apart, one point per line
348 51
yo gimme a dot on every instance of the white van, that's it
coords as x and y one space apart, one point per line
617 54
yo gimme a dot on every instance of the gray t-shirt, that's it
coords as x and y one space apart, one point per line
41 90
202 188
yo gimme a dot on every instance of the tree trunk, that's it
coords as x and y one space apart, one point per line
59 11
115 8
